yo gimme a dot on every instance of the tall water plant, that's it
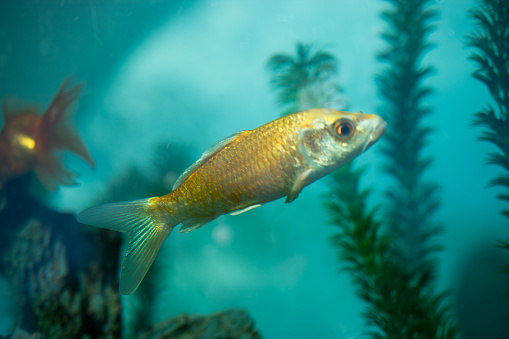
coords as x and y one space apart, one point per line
399 302
490 39
399 305
411 200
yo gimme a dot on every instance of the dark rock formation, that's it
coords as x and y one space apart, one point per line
229 324
64 278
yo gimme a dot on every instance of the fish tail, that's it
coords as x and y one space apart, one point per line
146 229
56 132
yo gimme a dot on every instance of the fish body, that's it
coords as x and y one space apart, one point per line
241 172
28 140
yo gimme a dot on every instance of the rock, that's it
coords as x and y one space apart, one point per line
63 278
229 324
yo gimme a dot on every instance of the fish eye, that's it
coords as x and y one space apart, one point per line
343 128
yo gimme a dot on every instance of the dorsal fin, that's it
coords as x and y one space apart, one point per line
12 106
205 157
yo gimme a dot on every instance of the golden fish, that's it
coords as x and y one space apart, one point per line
241 172
29 140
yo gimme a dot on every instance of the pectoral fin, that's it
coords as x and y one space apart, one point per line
298 185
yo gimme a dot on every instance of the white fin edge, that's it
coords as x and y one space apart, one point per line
243 210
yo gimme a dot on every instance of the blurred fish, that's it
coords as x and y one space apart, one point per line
28 141
239 173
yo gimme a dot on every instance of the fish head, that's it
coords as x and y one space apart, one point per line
332 138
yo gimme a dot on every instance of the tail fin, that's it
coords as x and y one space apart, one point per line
146 235
55 132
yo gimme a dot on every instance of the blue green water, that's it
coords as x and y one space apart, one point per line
193 72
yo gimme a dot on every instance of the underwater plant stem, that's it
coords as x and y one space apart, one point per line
490 40
399 301
412 200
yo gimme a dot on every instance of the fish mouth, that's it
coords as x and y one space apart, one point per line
376 134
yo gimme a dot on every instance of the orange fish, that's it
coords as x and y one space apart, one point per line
241 172
28 141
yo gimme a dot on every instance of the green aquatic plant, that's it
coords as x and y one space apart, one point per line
411 200
399 302
490 39
408 267
305 80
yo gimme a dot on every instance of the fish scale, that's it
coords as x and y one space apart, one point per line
241 172
251 167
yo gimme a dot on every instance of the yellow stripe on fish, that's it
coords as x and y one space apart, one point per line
239 173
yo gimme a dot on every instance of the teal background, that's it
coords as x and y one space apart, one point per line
193 72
